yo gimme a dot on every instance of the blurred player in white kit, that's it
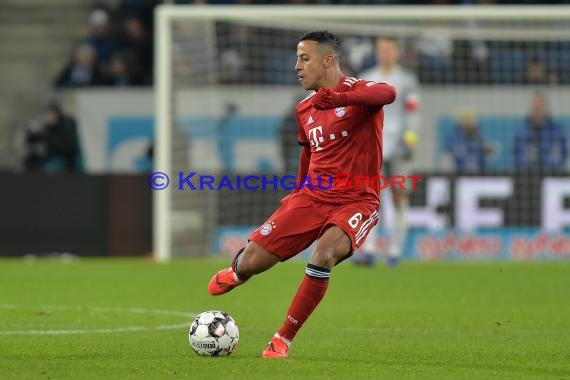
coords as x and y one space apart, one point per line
400 136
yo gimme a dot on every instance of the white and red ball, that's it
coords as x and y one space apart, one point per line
213 333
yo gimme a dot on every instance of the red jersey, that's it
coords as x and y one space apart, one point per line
344 140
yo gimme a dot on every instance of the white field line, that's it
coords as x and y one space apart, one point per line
189 316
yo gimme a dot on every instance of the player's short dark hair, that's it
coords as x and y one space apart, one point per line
323 37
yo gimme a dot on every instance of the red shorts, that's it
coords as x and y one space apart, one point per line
300 220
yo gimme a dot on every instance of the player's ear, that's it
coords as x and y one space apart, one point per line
328 61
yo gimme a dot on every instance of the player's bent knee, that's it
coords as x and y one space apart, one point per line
325 258
333 246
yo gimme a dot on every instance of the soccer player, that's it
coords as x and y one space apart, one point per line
400 133
340 130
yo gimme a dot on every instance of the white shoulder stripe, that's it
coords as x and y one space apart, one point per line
308 96
349 81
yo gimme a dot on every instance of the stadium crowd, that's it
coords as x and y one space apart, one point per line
118 51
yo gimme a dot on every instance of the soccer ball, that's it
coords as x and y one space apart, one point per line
213 333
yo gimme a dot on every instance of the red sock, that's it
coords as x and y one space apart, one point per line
308 296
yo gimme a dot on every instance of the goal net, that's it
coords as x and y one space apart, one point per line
226 89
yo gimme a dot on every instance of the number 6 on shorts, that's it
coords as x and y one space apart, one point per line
354 220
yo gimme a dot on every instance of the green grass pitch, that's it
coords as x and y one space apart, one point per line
128 319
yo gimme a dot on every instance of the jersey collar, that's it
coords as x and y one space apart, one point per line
340 86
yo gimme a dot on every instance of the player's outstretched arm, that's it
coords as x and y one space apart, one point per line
371 95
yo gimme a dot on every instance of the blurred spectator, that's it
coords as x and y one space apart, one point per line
538 73
359 54
100 36
143 10
465 144
136 42
82 71
231 65
119 75
240 60
435 50
52 143
124 71
540 144
471 57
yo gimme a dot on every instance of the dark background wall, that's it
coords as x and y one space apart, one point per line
86 215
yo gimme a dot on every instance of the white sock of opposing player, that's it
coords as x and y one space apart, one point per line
399 229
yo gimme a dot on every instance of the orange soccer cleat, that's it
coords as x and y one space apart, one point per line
222 282
276 348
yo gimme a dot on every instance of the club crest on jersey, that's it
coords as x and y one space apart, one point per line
267 228
340 111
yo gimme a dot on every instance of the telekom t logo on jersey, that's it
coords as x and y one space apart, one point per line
317 137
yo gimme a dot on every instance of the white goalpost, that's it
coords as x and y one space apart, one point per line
224 83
